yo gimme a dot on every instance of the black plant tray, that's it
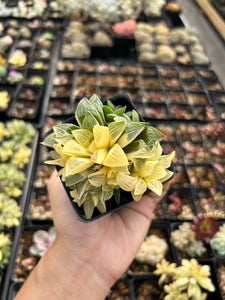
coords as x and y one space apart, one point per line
111 205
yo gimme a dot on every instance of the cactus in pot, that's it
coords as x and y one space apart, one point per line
108 150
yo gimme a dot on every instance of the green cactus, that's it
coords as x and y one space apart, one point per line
218 241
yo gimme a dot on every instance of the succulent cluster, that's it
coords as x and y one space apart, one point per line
42 241
18 58
186 281
185 240
153 7
101 39
5 249
4 100
217 242
192 237
152 250
125 28
9 212
109 150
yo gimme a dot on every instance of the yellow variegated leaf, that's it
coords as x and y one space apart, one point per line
108 187
75 165
54 154
77 200
126 182
140 187
138 163
133 129
157 150
82 188
136 197
165 160
58 162
101 206
96 198
116 157
206 283
115 131
83 137
147 168
97 178
99 155
155 186
58 148
123 169
92 148
158 173
101 136
88 208
106 195
62 173
168 176
143 152
72 148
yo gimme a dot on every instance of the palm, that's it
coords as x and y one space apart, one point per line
111 241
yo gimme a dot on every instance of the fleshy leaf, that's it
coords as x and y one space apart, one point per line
72 148
98 177
168 176
49 141
115 130
83 136
101 206
120 111
75 165
88 208
116 157
62 129
99 106
158 173
165 160
85 107
89 121
99 156
126 182
140 187
147 168
155 186
133 129
101 136
151 135
117 195
74 179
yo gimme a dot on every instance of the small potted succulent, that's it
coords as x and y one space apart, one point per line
9 211
107 157
192 239
188 281
173 10
4 100
101 45
217 242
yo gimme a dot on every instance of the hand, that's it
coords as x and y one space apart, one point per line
108 244
87 258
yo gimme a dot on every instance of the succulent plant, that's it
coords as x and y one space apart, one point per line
152 250
125 28
4 100
11 179
153 7
172 6
14 77
19 131
42 241
9 212
2 130
76 49
74 10
102 39
185 240
217 242
130 9
186 280
109 150
5 249
36 80
5 42
204 228
105 11
18 58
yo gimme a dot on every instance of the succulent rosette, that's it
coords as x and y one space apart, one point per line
108 150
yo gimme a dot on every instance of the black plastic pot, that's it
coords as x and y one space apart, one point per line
111 204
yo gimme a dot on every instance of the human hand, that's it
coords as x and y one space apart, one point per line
107 245
87 258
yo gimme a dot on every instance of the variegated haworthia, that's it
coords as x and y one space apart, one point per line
109 150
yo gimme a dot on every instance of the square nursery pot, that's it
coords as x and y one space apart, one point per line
125 198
